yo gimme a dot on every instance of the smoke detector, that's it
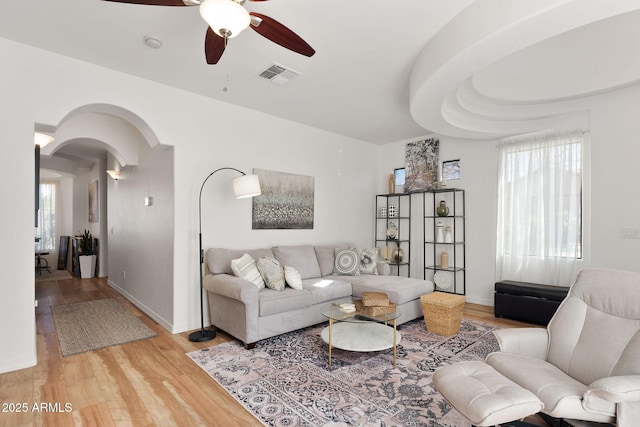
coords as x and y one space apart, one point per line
279 74
152 42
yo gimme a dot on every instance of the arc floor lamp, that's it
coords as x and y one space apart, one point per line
244 186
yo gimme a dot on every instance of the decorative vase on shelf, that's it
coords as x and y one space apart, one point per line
392 184
392 231
444 260
442 210
398 255
439 232
448 237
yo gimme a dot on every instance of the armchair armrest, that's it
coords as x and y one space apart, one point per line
618 389
231 287
532 342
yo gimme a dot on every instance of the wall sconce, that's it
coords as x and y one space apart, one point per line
115 174
42 139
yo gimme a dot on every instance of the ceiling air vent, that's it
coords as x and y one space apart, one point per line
279 74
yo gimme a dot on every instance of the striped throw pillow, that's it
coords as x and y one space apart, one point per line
245 267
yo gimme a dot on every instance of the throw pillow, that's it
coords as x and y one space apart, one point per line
293 278
347 262
245 267
368 258
272 273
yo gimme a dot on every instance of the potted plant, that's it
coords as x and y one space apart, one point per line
87 256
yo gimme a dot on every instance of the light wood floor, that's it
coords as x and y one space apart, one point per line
145 383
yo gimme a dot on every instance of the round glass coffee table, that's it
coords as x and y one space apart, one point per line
358 331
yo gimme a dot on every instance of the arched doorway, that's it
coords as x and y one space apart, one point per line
135 238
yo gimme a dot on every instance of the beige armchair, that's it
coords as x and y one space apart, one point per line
586 364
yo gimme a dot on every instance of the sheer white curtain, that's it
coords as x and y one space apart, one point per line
46 229
539 233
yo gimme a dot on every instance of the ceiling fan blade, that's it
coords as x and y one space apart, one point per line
278 33
213 46
157 2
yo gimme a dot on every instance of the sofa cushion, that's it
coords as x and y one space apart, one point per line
326 255
324 289
272 273
272 302
292 277
219 259
347 262
399 289
245 267
302 258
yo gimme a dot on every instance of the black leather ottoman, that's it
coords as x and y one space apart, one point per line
527 302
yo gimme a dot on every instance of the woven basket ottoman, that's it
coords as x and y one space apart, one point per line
442 312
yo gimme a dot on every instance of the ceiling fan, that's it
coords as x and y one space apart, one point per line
227 18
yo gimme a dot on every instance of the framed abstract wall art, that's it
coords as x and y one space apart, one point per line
287 201
93 201
421 165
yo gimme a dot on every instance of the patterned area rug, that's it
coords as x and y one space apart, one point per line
286 380
93 325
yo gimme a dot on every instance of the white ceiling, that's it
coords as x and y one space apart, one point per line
384 71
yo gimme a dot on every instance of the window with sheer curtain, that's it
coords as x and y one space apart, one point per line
46 229
540 213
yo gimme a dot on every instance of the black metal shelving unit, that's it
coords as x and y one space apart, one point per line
451 278
394 209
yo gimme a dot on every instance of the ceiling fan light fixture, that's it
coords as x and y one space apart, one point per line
225 17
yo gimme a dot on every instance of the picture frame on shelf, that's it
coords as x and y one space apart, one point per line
399 175
451 170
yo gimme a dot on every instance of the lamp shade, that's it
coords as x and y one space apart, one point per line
246 186
226 17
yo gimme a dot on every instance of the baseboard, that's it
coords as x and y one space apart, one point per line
148 311
480 301
17 364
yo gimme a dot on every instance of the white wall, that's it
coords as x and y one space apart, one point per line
615 176
81 210
205 135
140 238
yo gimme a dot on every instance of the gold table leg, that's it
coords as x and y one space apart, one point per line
394 343
330 331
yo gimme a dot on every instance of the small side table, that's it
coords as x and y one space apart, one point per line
442 312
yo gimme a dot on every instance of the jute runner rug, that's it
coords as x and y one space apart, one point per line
286 380
93 325
54 275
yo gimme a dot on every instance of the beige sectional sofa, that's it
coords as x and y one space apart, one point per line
239 308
